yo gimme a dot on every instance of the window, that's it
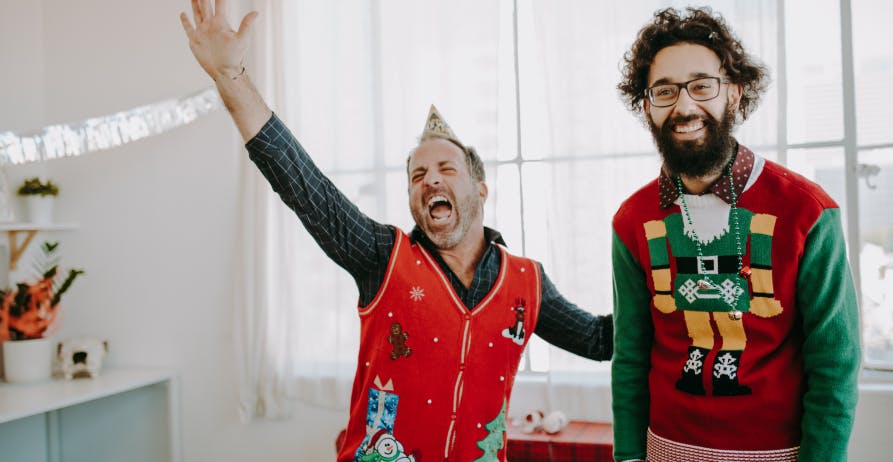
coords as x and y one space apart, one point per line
531 84
873 162
839 137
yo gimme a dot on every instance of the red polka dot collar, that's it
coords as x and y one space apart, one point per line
741 170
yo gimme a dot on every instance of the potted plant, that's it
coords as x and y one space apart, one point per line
39 197
27 314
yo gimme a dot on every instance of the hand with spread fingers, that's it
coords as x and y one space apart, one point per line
216 46
220 51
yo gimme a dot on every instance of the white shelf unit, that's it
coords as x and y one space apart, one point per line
123 414
28 230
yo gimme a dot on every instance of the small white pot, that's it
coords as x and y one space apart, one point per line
40 209
28 360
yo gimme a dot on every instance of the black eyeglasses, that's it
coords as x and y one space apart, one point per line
701 89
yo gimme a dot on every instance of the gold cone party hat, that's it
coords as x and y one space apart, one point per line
436 127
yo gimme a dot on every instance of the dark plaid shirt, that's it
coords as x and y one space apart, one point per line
363 246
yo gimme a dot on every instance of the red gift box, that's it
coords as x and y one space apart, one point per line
579 441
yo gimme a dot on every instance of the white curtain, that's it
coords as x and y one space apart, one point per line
353 79
265 374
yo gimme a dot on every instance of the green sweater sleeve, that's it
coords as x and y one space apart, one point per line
827 300
633 332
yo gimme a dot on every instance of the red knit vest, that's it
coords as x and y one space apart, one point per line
434 378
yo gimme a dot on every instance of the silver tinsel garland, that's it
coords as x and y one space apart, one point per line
106 132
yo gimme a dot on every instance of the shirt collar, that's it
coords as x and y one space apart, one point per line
490 235
741 170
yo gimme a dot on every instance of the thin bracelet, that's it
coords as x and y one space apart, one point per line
242 72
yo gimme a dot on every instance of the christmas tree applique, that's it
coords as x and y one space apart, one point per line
495 440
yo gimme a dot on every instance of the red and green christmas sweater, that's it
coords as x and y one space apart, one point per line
692 382
434 378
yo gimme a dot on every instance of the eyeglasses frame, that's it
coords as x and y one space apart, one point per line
649 93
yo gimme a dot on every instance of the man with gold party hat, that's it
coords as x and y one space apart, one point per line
445 310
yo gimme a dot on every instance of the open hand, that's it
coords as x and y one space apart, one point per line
218 48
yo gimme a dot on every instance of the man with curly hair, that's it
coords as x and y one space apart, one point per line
736 330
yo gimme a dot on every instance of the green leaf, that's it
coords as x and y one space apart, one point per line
72 274
48 257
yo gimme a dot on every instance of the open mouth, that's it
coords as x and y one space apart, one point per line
688 126
439 208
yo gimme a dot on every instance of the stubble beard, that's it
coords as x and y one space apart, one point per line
696 158
465 210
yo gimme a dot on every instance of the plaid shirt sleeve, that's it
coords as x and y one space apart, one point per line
351 239
570 328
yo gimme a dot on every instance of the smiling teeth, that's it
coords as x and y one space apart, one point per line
690 127
436 199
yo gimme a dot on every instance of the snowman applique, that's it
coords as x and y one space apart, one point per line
383 447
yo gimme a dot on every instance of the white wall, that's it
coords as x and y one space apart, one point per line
158 219
21 45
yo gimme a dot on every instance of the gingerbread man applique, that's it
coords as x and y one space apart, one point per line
398 340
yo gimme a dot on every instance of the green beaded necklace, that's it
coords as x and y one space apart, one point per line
743 271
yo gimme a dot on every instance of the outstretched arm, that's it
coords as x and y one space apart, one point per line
220 51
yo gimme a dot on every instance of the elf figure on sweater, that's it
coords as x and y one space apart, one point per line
710 288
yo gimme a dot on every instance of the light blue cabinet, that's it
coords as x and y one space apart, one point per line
122 415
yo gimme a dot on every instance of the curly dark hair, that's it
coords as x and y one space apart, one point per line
702 27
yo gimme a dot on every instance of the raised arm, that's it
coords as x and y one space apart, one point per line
351 239
220 51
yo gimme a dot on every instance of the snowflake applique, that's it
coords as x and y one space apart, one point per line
416 294
689 290
731 292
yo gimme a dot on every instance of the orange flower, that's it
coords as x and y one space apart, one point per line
35 316
4 318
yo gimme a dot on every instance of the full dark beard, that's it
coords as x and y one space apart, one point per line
692 158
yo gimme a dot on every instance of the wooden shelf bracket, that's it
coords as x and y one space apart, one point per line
15 249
